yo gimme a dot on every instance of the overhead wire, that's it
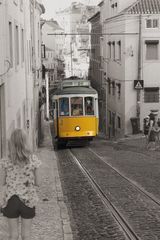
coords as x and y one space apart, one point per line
129 21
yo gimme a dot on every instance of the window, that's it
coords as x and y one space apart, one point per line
22 45
38 49
64 106
152 23
16 45
21 5
89 105
76 106
151 94
30 54
118 122
119 50
110 117
28 57
114 50
152 49
119 90
24 115
43 51
113 88
10 44
15 2
109 50
93 51
109 87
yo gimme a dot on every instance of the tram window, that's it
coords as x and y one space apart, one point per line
64 107
77 106
89 106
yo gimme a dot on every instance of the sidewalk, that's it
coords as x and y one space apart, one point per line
52 219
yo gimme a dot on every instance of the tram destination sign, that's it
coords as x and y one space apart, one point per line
138 84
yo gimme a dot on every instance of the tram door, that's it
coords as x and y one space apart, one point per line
2 122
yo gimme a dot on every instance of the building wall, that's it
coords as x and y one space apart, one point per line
125 71
150 68
115 75
96 68
3 68
113 7
19 78
36 71
15 97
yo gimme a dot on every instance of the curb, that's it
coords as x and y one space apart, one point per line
66 227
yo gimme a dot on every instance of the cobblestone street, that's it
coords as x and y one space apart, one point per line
51 221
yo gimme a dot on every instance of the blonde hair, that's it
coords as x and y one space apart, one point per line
19 150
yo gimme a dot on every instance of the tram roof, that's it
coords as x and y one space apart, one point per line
75 90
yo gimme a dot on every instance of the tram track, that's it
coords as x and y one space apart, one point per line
138 187
127 229
129 213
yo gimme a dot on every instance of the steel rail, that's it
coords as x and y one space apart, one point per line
127 229
133 183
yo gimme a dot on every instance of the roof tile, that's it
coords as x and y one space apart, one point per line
144 7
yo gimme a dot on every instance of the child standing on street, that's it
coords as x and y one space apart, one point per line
20 178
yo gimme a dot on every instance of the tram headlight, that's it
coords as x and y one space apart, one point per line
77 128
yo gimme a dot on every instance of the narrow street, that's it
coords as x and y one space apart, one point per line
135 194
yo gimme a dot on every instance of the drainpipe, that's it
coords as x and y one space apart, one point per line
139 67
27 121
47 95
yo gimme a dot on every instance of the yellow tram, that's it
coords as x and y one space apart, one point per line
75 112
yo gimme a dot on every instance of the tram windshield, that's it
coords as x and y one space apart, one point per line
64 106
89 105
76 106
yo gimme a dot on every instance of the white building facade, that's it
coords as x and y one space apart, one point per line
74 21
53 41
19 62
130 52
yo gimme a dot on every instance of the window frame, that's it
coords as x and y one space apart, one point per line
22 46
153 43
119 122
15 2
10 25
114 50
17 60
152 20
60 107
90 112
148 98
119 58
109 50
81 108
